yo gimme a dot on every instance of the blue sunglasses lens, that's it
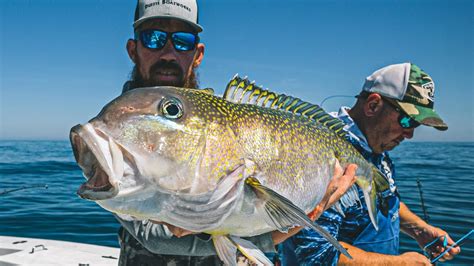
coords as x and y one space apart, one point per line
153 39
407 122
184 41
156 39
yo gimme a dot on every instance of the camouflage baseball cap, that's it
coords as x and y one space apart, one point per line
412 90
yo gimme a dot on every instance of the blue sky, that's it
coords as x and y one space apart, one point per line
61 61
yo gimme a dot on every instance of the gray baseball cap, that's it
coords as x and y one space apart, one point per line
184 10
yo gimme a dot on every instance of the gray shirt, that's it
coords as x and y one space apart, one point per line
160 241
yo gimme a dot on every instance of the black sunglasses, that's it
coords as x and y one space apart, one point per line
404 120
156 39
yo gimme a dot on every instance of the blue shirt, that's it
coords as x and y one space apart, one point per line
309 248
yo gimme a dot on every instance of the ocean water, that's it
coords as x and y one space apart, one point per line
446 172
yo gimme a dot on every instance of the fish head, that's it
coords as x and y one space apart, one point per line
148 139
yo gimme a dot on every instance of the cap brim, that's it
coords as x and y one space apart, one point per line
195 26
423 115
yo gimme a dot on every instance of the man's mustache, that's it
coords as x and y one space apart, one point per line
167 65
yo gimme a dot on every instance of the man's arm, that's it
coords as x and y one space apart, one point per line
424 233
415 227
361 257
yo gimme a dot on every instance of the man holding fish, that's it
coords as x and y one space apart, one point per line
166 52
394 101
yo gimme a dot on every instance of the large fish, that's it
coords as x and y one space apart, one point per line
199 162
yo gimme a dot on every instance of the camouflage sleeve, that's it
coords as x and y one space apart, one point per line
310 248
160 241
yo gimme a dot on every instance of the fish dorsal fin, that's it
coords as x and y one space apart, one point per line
242 91
209 91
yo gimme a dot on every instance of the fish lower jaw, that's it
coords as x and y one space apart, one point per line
99 185
96 155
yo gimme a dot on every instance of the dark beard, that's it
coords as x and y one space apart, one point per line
137 81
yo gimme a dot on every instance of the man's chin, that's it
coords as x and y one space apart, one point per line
391 146
167 81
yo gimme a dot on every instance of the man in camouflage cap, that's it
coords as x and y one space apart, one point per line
410 88
394 101
403 88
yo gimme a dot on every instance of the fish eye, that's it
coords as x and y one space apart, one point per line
172 108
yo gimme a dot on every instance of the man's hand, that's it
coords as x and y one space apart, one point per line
338 186
424 233
428 234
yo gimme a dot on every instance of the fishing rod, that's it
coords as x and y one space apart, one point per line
445 245
425 212
7 191
334 96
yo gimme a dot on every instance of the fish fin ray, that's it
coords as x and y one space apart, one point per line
148 227
209 91
282 213
242 91
249 250
225 249
381 184
136 226
350 198
370 197
337 206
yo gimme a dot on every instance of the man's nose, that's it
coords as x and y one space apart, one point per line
408 133
168 52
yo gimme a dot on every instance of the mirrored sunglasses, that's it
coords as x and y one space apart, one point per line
156 39
404 120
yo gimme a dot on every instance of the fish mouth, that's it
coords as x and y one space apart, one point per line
101 161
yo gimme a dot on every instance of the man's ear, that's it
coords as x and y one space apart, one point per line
199 55
132 50
373 104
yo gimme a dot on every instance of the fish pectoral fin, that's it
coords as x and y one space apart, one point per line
277 210
226 248
281 213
